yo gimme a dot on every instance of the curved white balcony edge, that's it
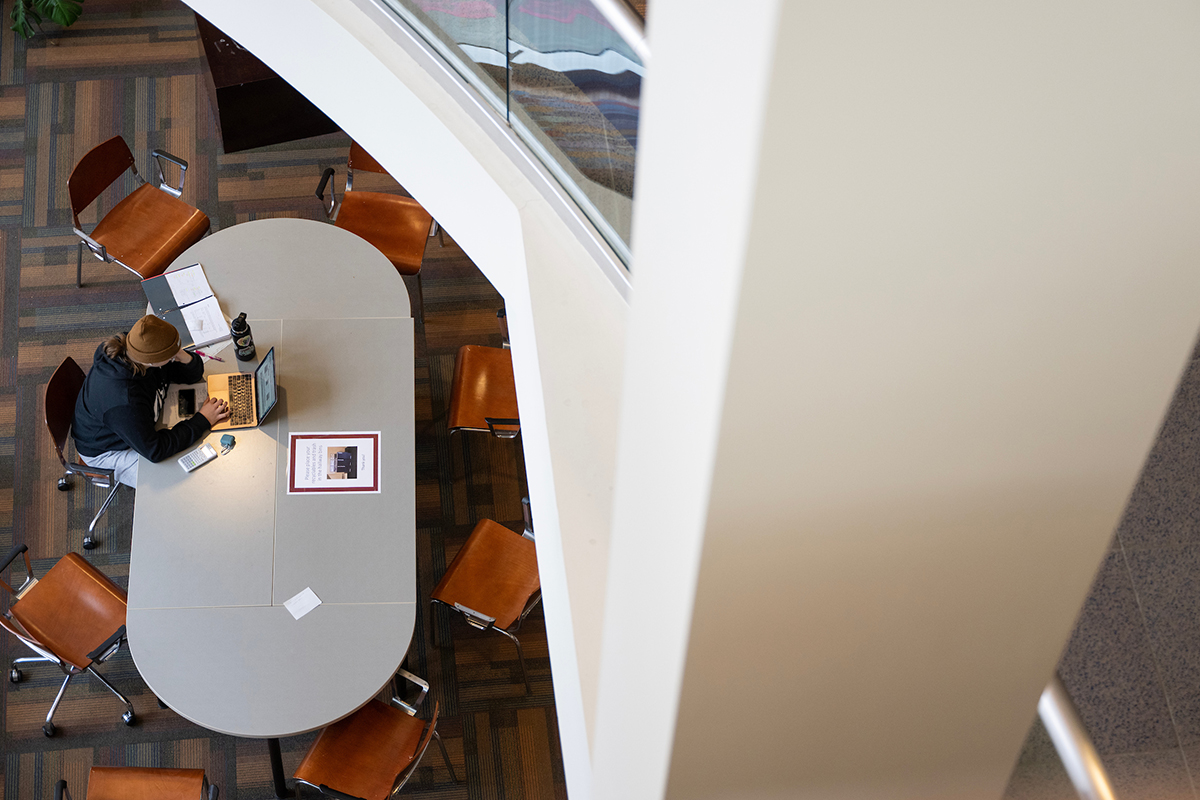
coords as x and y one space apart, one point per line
543 172
567 319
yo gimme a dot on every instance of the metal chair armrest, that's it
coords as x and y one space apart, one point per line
159 157
108 647
492 422
420 683
502 323
210 789
530 605
61 792
330 205
98 250
336 794
476 619
92 473
527 516
11 557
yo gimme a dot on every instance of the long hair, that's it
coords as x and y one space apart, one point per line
114 348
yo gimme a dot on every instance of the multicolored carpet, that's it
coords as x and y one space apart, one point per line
133 67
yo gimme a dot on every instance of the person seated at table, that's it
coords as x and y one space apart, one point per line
122 398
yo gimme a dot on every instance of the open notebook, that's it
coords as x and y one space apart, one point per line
184 299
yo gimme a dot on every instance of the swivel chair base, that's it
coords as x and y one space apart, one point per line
15 675
89 541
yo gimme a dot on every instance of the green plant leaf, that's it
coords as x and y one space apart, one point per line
64 12
22 15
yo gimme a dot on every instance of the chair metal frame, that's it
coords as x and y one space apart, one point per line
8 622
502 323
100 251
498 427
482 622
507 432
397 701
333 206
100 477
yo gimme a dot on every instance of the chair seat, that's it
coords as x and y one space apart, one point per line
145 783
149 229
494 573
397 226
363 754
483 386
72 610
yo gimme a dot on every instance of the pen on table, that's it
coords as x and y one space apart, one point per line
206 355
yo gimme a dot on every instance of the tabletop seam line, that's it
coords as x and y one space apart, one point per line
281 605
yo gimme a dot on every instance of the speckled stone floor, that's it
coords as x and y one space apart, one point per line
1133 662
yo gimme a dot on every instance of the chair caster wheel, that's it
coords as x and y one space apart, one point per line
15 675
64 484
88 543
48 729
128 718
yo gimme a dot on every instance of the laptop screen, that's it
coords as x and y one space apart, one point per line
264 385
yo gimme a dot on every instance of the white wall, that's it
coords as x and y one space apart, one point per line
963 301
698 143
566 318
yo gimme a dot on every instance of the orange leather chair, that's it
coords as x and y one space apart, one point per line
397 226
148 229
143 783
493 581
483 392
73 617
372 753
61 392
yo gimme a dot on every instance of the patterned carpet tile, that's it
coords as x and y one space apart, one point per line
113 37
132 67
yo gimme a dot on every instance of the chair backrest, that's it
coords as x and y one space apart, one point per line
361 159
159 783
96 171
61 392
422 746
75 610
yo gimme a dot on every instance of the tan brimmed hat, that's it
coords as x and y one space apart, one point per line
152 340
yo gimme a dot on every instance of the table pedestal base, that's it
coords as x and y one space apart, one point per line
281 789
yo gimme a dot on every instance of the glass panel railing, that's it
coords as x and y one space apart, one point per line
565 81
470 34
574 85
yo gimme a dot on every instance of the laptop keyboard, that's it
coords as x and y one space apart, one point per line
241 402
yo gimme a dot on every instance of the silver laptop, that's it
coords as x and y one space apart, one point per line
250 396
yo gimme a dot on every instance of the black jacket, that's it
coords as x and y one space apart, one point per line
116 409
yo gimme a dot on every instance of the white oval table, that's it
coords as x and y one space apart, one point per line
216 552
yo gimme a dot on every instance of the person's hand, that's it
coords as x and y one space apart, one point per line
183 356
215 410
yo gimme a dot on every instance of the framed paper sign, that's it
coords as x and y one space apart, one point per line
327 463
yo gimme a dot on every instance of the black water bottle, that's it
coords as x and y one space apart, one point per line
243 342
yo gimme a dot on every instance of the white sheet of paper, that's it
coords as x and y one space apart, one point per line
205 322
302 603
216 348
189 285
